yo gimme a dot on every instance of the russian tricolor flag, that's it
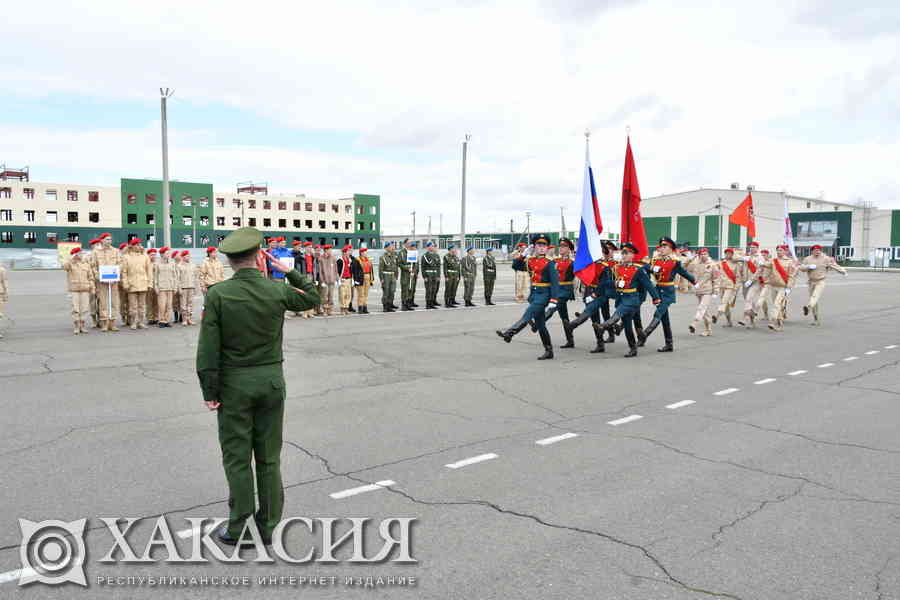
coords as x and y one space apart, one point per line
590 246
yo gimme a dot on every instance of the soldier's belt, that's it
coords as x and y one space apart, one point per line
628 290
452 271
540 285
565 283
430 271
665 283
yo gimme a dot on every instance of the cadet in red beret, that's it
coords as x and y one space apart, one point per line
211 271
80 285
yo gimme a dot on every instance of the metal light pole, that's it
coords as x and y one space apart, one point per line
167 227
462 225
414 226
194 237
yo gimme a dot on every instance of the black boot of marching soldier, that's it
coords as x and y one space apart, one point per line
548 345
632 343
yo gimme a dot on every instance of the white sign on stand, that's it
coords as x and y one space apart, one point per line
109 273
412 256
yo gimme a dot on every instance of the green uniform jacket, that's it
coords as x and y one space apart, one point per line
469 267
489 267
451 266
242 323
430 264
387 264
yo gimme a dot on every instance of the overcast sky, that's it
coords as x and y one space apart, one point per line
343 97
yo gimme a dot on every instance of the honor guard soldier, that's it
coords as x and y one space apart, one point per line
451 277
597 296
781 282
489 272
108 293
565 269
387 274
80 285
816 265
367 271
430 263
469 270
664 268
632 283
137 278
544 293
239 364
409 273
733 276
521 271
4 294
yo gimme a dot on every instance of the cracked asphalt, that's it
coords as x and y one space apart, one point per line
782 489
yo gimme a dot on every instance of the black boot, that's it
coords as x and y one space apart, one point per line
580 318
613 321
632 343
388 307
350 308
413 304
599 347
487 302
406 306
469 303
548 346
508 334
570 339
643 334
668 347
610 337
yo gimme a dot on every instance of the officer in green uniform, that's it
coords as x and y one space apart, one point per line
489 270
409 272
387 274
239 363
431 273
451 277
469 267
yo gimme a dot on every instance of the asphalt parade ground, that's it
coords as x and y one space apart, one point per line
750 464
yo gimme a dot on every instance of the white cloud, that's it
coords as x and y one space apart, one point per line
776 94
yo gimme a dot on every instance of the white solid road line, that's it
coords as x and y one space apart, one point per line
826 365
362 489
680 404
800 372
624 420
891 347
871 352
188 533
15 575
763 381
471 461
726 391
849 358
556 438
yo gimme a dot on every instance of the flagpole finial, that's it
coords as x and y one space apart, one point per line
587 133
628 130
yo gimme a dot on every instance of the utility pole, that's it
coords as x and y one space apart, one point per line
720 257
167 227
414 226
462 226
429 227
441 224
194 221
562 220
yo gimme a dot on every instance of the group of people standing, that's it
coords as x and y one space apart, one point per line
766 283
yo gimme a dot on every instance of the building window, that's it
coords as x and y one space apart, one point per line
30 237
322 207
321 224
72 217
267 222
51 216
187 221
220 222
335 208
296 223
204 221
251 203
220 202
29 193
808 204
835 209
335 225
94 217
282 206
93 196
204 202
360 210
5 192
150 198
308 223
372 225
348 209
308 206
361 226
204 240
6 215
348 225
72 195
49 196
372 210
6 237
267 205
236 221
296 206
29 216
132 219
51 237
282 223
251 222
187 201
132 199
373 243
73 237
187 239
236 202
151 219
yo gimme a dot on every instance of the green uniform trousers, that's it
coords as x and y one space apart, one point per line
388 288
407 286
468 288
250 427
450 285
432 285
489 288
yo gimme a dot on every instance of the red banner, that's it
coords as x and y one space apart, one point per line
632 223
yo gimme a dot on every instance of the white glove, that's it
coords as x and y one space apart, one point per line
552 303
748 283
811 267
787 292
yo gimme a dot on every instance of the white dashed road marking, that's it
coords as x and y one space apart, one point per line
362 489
871 352
471 461
763 381
726 391
556 438
680 404
891 347
15 575
826 365
624 420
849 358
188 533
800 372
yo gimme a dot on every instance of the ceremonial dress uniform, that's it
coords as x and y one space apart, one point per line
387 274
565 269
431 272
489 272
469 271
597 295
816 266
239 364
665 270
451 278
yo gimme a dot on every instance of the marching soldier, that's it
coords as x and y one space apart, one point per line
328 279
544 293
409 273
4 294
431 272
451 277
816 266
469 270
521 271
165 280
137 278
706 286
387 274
489 272
766 293
187 285
632 283
367 272
597 295
565 270
753 284
80 281
108 293
239 365
732 277
665 267
781 282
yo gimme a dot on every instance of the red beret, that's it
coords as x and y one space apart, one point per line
363 250
816 247
347 247
185 252
164 249
754 244
703 251
75 250
211 249
134 241
782 247
328 246
122 245
306 243
521 245
174 253
319 246
93 241
727 250
296 243
764 251
152 251
104 235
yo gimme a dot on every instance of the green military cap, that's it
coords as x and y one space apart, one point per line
241 240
